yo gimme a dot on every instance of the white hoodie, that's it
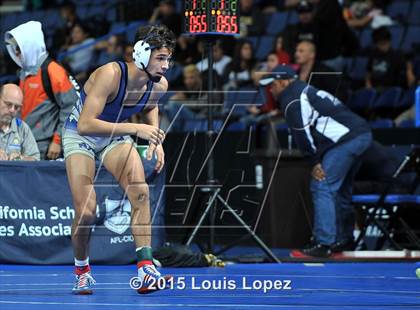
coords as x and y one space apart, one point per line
30 39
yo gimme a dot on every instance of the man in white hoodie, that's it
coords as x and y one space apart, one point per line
44 115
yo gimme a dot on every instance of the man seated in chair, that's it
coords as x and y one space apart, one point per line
16 139
191 102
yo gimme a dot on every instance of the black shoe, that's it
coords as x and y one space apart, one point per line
312 243
317 250
341 246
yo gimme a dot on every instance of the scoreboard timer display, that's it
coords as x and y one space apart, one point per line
211 17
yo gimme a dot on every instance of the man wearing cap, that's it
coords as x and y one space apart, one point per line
333 138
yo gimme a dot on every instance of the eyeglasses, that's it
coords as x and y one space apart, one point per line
10 105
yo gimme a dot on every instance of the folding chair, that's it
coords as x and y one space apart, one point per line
384 210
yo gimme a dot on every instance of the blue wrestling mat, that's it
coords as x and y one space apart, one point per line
240 286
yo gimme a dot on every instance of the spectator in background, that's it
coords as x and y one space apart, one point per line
111 49
16 139
265 67
386 67
165 13
192 97
239 71
44 115
413 68
282 55
80 61
251 21
220 60
187 50
359 14
413 79
317 74
303 30
192 101
269 107
366 13
268 113
62 36
334 37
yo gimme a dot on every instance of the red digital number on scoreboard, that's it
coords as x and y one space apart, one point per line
226 24
212 16
198 23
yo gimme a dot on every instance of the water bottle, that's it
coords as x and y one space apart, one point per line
259 176
289 140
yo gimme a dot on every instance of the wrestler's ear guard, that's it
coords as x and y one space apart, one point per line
141 54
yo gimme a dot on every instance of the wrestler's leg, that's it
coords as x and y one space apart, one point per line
125 165
80 173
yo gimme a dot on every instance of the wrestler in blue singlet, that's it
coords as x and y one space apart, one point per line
114 111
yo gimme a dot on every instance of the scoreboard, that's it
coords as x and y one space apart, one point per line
211 17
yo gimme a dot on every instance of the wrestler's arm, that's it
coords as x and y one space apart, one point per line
151 117
151 113
105 83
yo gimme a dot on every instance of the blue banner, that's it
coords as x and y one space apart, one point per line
36 214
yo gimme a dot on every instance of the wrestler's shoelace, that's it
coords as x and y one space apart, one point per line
84 280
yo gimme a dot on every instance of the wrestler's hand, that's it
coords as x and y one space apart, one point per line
150 133
54 150
318 173
160 155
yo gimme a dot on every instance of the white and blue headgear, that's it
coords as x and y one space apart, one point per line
142 50
141 53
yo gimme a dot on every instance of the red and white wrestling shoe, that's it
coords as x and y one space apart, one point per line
150 280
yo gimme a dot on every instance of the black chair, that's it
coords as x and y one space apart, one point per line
385 210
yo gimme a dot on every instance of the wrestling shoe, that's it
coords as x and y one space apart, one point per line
150 280
83 284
